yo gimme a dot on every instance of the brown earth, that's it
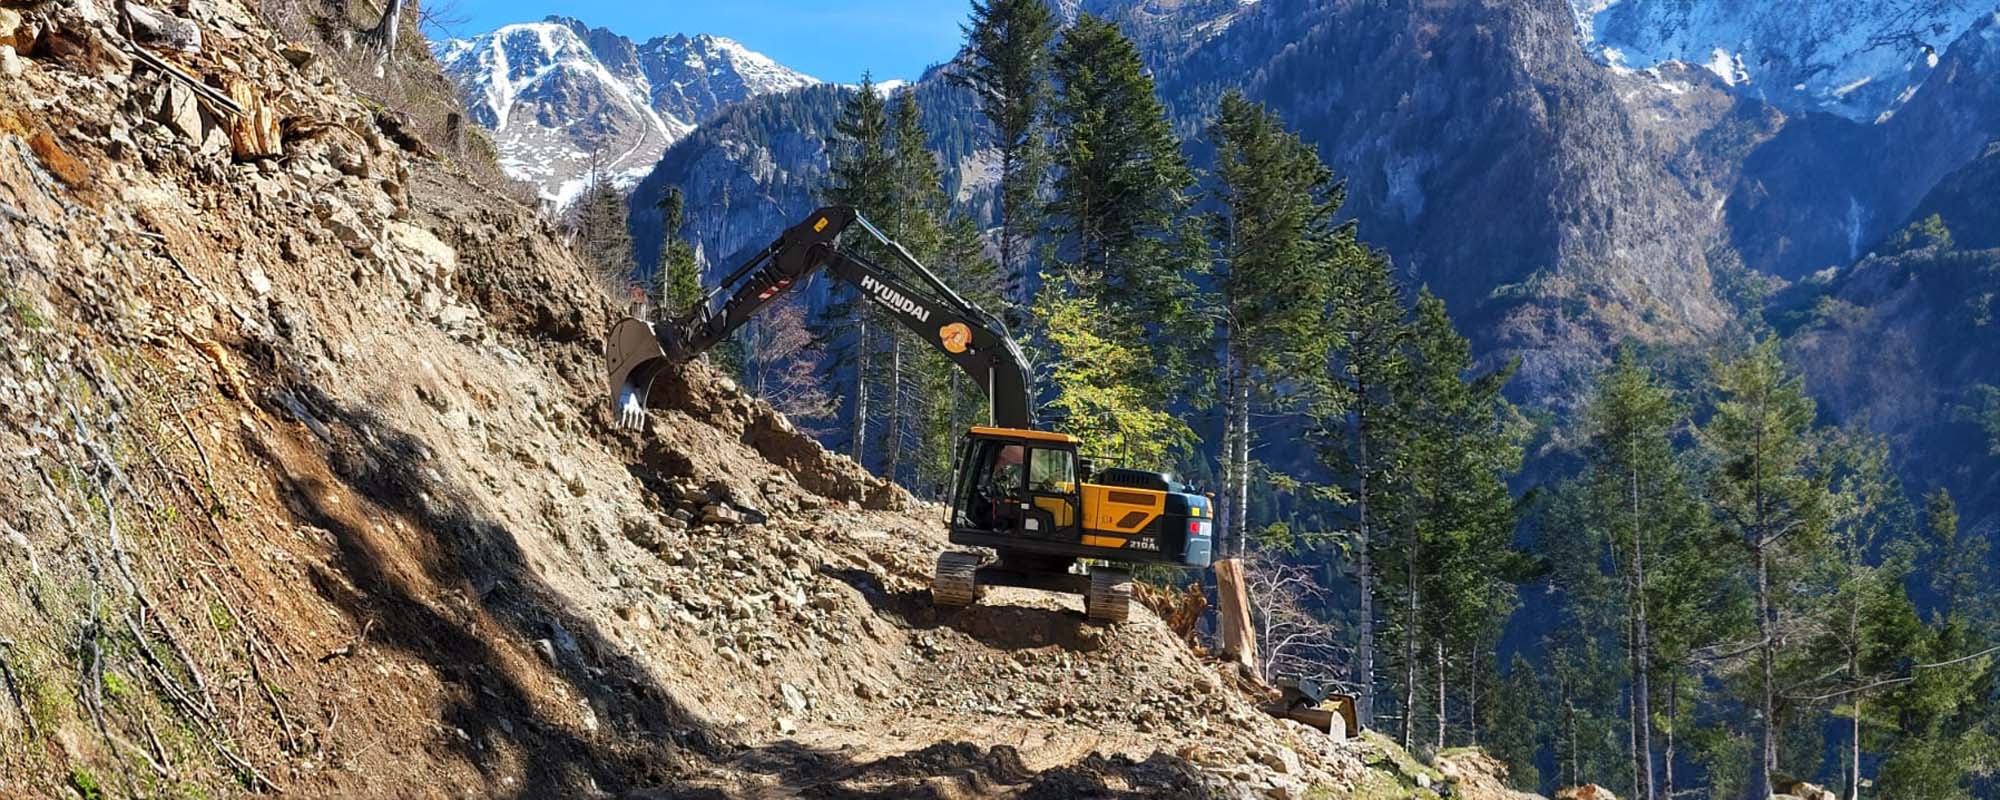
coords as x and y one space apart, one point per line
307 489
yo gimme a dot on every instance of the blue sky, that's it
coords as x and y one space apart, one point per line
833 40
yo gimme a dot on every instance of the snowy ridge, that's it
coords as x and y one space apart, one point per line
1860 59
565 100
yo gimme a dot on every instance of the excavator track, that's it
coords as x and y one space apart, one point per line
956 582
1110 598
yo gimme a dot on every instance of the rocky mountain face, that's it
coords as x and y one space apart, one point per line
1535 191
1859 59
1822 188
1900 341
562 98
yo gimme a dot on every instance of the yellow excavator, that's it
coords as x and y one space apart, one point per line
1055 523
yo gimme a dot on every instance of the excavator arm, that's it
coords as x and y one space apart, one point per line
637 351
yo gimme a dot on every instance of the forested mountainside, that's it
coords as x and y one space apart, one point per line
564 100
1901 342
1610 202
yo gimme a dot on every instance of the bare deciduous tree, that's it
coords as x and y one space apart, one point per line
782 366
1292 641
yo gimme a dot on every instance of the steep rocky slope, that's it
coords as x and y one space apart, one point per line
307 489
1900 342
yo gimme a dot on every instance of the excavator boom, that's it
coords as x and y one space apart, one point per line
978 344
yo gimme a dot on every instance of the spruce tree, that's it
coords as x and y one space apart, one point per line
1518 714
1456 552
1638 506
1765 491
848 331
1958 564
1362 445
1123 251
598 230
1282 255
1007 42
911 216
677 278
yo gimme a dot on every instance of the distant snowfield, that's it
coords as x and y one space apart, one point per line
1861 59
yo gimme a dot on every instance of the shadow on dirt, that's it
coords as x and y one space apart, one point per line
954 769
480 567
653 744
996 625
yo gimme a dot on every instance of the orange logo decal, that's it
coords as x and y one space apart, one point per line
820 225
955 337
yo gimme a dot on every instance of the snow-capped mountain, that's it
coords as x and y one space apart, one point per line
562 98
1861 59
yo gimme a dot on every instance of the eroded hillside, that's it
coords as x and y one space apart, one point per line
306 490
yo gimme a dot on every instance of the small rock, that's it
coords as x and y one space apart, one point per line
787 727
10 64
161 30
1281 760
300 55
179 111
260 284
10 29
794 699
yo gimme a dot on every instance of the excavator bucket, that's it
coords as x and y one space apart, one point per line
633 354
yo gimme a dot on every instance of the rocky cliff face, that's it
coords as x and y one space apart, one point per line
563 98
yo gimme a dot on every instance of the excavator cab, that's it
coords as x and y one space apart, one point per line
1026 494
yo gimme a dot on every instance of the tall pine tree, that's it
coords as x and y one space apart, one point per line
1123 253
1277 275
1456 553
1637 508
862 176
1361 446
1008 44
1764 489
677 277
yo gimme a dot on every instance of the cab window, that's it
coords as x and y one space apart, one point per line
1052 471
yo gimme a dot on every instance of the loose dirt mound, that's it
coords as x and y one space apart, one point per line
307 487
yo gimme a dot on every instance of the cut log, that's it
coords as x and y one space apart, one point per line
1239 643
